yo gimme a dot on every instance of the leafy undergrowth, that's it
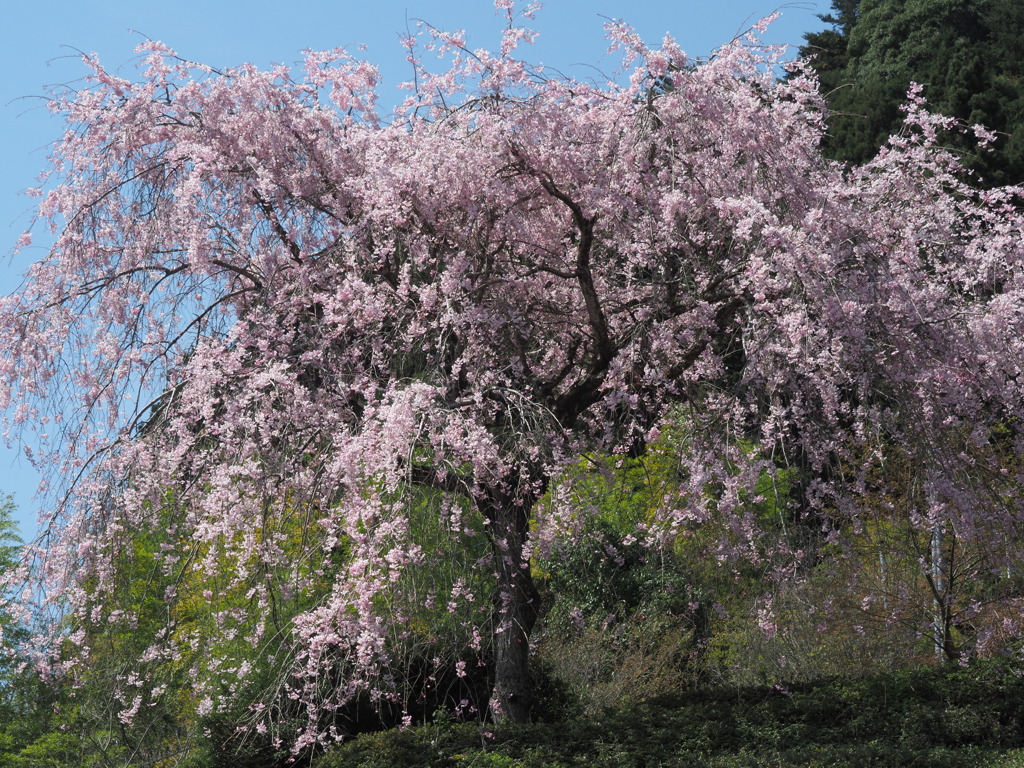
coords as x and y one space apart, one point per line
923 717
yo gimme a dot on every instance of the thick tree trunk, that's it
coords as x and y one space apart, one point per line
515 612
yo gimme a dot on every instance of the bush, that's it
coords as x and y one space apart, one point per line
933 717
623 621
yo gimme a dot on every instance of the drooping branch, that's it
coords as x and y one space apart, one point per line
275 222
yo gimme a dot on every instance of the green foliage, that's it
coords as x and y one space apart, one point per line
965 52
602 575
622 617
40 723
80 724
28 724
627 620
10 546
933 717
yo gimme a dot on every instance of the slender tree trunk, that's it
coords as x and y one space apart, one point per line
940 580
940 629
515 611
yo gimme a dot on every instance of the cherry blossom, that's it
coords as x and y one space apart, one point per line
267 309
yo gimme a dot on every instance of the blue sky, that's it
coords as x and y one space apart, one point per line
41 41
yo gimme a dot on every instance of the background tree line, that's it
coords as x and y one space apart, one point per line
966 54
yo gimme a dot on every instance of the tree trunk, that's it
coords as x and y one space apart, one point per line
941 582
940 628
515 611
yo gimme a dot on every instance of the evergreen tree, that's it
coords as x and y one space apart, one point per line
965 53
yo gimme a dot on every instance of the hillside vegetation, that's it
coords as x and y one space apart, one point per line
924 717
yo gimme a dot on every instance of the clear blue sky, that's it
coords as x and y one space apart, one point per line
41 38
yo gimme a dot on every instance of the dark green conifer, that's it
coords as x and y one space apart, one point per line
966 53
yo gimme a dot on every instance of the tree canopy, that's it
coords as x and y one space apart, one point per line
284 348
964 53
